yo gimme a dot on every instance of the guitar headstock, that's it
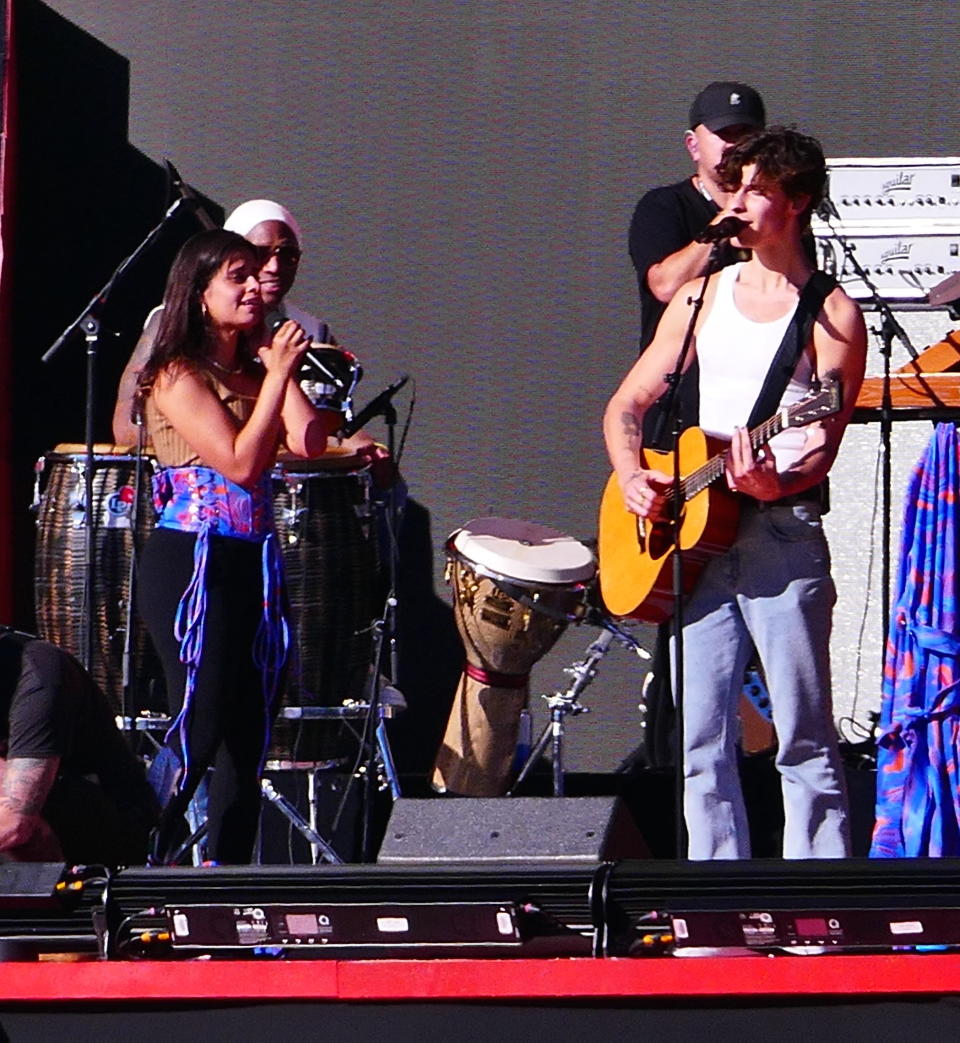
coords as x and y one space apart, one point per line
821 402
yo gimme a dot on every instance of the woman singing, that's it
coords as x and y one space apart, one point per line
219 400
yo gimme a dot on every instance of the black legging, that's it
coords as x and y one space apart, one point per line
227 725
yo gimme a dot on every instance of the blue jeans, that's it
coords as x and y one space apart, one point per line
771 590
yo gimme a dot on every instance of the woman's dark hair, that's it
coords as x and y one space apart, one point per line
182 334
783 157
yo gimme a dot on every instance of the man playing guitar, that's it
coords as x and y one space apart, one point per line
772 588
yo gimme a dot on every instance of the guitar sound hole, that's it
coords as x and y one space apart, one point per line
661 540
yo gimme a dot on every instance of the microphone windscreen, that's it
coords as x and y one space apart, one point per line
273 320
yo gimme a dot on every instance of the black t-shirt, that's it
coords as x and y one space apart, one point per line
665 220
50 707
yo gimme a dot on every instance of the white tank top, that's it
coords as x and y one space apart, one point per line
734 354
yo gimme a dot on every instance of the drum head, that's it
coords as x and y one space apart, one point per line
101 451
337 459
522 551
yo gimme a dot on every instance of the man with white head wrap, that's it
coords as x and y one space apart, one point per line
276 233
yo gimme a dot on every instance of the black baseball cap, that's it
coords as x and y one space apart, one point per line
726 103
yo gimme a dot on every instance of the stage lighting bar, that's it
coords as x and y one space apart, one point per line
358 910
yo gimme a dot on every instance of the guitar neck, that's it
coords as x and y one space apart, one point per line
709 472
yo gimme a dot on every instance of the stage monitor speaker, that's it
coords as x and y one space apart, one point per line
568 830
30 885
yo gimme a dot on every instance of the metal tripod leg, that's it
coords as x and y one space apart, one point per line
319 847
386 758
563 703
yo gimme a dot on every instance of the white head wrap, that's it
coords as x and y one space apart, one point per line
249 214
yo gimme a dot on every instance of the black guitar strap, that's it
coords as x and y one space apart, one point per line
815 291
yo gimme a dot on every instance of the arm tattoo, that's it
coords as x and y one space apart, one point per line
632 431
27 782
630 426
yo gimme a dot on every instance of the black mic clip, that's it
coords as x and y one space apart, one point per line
377 407
187 195
725 228
827 210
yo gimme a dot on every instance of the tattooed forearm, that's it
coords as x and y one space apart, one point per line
631 429
26 783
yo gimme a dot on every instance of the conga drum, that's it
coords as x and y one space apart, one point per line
322 512
516 586
121 478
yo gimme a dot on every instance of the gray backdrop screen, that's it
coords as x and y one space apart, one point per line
464 173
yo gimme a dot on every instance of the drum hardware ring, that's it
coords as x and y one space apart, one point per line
529 594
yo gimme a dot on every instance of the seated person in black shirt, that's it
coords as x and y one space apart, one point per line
70 787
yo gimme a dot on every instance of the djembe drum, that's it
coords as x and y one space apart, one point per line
516 586
60 565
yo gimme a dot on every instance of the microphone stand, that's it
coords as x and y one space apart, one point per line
889 328
671 412
375 745
562 704
128 679
88 321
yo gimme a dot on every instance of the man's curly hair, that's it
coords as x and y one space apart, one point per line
784 157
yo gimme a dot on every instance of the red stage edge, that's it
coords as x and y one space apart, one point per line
656 978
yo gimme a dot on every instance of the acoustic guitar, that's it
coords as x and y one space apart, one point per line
635 555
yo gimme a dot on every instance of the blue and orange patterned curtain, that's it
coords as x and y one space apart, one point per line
918 780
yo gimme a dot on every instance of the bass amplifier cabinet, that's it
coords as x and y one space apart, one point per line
896 189
842 904
904 262
901 218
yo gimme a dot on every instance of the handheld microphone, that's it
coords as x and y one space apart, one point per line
724 229
274 320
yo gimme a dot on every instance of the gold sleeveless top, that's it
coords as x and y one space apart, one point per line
170 448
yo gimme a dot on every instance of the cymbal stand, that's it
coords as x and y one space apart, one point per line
562 704
197 821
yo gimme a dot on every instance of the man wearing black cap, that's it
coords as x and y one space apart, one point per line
667 220
666 254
